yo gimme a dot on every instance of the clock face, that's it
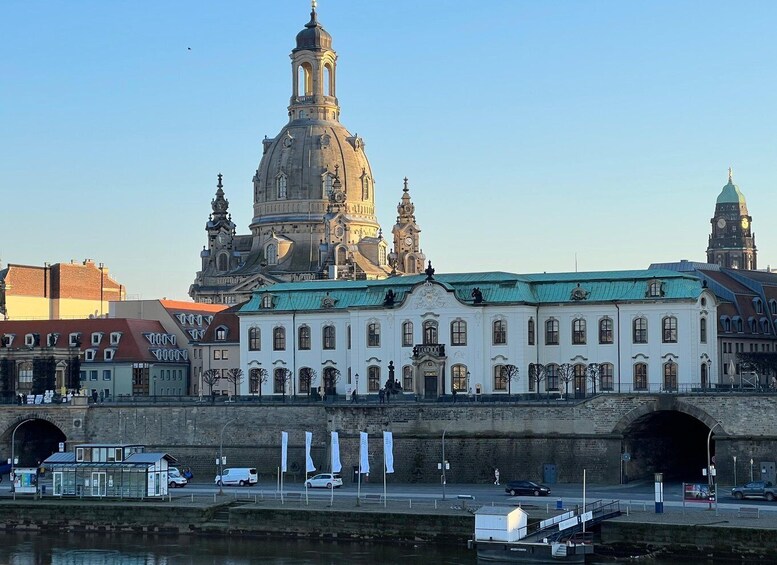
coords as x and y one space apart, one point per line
745 223
721 223
408 240
222 238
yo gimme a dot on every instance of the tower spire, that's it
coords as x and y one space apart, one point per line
730 175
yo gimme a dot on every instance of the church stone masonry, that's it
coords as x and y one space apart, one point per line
313 199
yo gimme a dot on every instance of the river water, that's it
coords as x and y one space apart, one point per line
109 549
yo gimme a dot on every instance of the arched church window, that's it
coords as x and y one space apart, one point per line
430 332
328 80
272 254
341 255
304 80
281 185
407 378
222 262
328 182
381 255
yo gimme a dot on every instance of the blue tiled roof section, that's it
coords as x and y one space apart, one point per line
496 287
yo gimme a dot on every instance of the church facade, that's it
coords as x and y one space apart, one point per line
314 211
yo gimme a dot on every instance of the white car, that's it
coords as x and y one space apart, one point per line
325 480
175 479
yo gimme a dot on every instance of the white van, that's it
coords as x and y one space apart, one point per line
238 476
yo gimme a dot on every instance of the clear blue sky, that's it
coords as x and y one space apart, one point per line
531 132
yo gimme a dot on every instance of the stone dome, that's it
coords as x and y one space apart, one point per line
730 195
314 36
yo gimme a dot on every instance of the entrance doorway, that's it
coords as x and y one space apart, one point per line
430 385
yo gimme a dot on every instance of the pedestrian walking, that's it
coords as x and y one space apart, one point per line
454 395
496 476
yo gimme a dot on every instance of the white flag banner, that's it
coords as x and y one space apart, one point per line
388 451
364 460
284 450
309 467
336 465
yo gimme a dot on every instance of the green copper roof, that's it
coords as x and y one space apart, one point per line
496 287
731 195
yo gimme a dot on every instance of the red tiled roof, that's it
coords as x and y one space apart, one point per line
192 306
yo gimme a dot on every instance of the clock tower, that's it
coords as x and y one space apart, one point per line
732 241
407 245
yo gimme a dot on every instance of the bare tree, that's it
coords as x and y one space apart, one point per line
510 374
331 378
537 374
566 374
258 377
592 374
210 378
235 378
307 378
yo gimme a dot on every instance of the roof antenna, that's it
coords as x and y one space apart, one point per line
575 261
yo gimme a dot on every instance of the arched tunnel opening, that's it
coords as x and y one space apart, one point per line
33 441
668 442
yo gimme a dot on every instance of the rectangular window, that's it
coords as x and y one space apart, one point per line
551 332
279 339
254 339
530 331
329 337
373 335
216 354
500 379
93 375
500 332
669 333
578 332
640 330
407 334
373 379
106 374
458 332
605 331
304 338
224 354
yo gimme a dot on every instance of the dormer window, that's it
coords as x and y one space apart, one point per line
74 339
51 339
725 321
773 307
221 333
267 301
115 338
655 289
89 354
758 305
108 354
31 340
96 338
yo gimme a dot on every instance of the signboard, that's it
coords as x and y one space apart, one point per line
698 492
25 480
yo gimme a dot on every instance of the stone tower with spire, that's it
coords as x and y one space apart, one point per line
407 255
732 241
313 197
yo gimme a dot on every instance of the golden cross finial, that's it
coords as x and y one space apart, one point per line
313 4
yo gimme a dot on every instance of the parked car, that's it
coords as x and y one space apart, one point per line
175 479
238 476
515 488
756 489
325 480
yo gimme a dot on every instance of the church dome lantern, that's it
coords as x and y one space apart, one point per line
314 36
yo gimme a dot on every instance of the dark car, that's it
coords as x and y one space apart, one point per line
514 488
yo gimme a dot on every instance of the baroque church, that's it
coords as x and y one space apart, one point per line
314 211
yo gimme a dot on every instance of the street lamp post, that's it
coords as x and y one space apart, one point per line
357 385
13 445
221 456
444 463
710 481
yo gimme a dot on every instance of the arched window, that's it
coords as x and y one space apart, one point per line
773 307
331 376
373 378
407 378
254 381
458 332
703 330
303 338
669 329
430 332
329 86
373 335
580 379
365 188
606 376
551 377
271 251
578 331
499 332
304 80
703 375
605 331
530 331
329 180
254 339
381 255
305 380
551 332
329 337
279 380
640 376
459 378
500 378
670 375
279 339
655 289
758 305
640 329
222 262
280 184
407 334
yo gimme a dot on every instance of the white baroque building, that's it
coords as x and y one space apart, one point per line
575 333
